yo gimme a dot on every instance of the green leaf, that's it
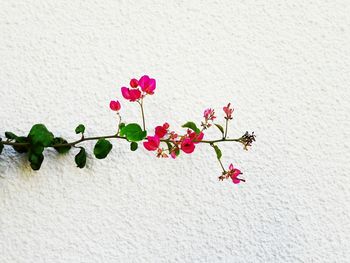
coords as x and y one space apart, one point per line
191 125
102 148
39 134
220 128
35 159
1 146
133 132
10 135
218 152
169 146
80 129
20 148
61 149
121 125
133 146
80 158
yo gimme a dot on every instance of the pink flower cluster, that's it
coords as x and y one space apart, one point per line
139 89
185 143
134 93
177 143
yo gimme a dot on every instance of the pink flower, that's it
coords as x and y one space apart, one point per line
228 111
196 137
187 145
234 173
131 94
147 84
161 131
152 143
209 114
134 83
114 105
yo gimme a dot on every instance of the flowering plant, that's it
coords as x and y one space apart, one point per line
163 141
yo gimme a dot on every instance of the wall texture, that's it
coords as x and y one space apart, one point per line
283 64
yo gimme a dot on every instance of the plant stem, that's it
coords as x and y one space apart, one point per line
226 129
115 136
223 169
143 115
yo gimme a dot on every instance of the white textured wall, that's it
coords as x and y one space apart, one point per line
283 64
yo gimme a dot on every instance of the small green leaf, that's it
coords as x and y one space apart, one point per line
80 129
220 128
36 149
169 146
133 132
61 149
39 134
191 125
102 148
20 148
133 146
10 135
35 160
80 158
1 146
121 125
218 152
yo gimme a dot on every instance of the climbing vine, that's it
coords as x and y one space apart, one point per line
164 141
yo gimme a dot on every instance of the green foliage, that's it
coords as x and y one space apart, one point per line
10 135
1 146
102 148
80 129
218 152
170 148
133 132
61 149
121 125
36 157
40 135
21 148
80 158
133 146
220 128
191 125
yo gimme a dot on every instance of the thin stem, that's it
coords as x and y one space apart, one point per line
143 115
115 136
223 169
226 129
119 121
222 166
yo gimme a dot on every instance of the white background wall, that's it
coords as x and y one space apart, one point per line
283 64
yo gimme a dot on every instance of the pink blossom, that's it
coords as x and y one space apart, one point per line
228 111
134 83
209 114
234 173
161 131
147 84
152 143
131 94
196 138
115 105
187 145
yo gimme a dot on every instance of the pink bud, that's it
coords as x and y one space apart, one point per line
115 105
134 83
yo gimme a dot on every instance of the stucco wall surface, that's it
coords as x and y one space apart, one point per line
283 64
